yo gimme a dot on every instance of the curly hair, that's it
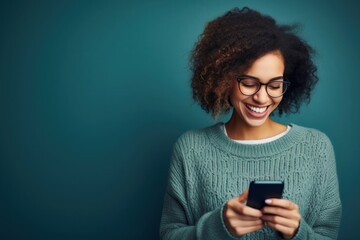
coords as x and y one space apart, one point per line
233 42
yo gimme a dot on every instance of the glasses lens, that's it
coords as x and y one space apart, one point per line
248 86
276 88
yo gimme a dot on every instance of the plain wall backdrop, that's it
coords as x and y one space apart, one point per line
93 95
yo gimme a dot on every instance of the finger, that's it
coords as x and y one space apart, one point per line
284 203
286 231
242 217
290 223
248 218
247 211
242 223
243 197
278 211
233 214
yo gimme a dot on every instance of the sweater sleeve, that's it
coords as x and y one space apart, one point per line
327 223
177 221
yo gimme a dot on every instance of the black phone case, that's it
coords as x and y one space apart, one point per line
259 191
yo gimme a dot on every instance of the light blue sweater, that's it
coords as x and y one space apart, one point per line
207 169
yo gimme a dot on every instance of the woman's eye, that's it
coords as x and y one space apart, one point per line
249 83
275 85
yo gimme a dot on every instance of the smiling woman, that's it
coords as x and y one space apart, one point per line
253 106
247 63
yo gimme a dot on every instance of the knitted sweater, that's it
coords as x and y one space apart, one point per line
207 169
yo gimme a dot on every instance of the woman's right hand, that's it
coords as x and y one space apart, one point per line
241 219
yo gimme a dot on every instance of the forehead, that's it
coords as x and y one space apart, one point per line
268 66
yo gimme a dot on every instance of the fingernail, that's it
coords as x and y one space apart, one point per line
268 201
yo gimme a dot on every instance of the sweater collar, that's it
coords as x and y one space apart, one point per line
221 141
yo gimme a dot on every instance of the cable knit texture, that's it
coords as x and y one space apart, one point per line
207 169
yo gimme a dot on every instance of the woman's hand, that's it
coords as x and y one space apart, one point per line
282 215
240 219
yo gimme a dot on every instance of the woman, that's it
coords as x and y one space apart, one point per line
247 63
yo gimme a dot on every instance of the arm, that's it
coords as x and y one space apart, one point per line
283 215
327 223
177 221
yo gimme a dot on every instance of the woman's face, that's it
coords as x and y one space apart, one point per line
255 110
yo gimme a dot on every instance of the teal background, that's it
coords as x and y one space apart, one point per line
93 95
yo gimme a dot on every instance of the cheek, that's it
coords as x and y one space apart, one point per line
236 96
277 101
236 99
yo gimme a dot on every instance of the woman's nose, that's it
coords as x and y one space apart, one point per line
261 96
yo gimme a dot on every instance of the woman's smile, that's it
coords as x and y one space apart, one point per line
255 109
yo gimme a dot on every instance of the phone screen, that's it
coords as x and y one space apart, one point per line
259 191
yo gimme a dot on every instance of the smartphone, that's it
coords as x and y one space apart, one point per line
259 191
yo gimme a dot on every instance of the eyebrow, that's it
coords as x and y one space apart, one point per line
252 77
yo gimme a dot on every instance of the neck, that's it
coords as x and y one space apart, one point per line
238 130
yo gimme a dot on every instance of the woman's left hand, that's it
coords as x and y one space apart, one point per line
282 215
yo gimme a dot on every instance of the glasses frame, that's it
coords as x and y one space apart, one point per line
280 79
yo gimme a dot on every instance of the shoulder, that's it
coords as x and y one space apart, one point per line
316 142
312 134
196 138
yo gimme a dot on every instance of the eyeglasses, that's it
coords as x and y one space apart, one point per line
274 88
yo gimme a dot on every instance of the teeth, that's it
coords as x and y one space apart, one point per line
256 109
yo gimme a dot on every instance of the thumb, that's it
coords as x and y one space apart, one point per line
243 197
